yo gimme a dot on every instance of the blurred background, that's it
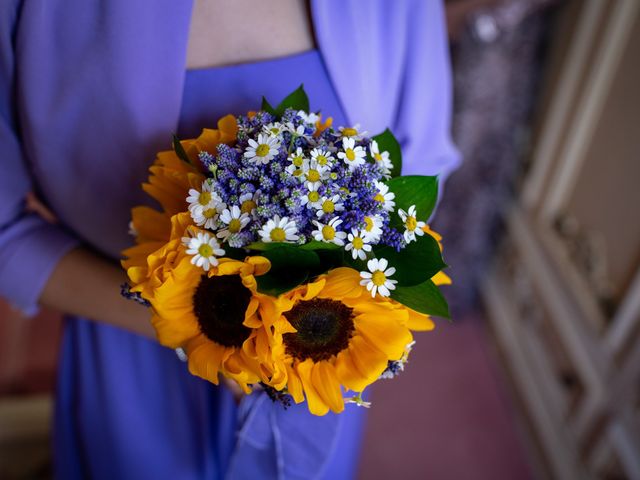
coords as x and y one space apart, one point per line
538 376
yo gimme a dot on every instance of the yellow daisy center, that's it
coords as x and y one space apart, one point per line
358 243
411 223
333 176
378 278
297 173
328 206
234 225
379 198
378 157
205 250
297 161
314 196
313 175
368 224
247 206
321 159
349 132
209 213
275 130
204 198
328 232
277 234
351 155
262 150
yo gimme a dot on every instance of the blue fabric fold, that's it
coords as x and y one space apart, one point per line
284 444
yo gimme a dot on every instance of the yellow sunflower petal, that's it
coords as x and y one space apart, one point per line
150 224
441 278
260 264
294 385
205 358
419 321
348 373
341 283
369 361
316 404
324 379
175 332
385 334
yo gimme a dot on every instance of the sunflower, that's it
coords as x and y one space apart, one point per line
169 182
336 338
211 315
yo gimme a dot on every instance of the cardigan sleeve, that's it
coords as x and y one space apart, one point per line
29 246
422 121
389 62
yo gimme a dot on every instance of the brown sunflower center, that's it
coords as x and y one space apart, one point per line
219 304
323 326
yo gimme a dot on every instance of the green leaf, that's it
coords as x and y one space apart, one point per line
177 147
316 245
418 190
276 284
263 246
296 100
424 298
416 263
387 142
266 107
235 253
290 267
291 258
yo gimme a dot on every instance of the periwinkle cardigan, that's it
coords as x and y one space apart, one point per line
91 89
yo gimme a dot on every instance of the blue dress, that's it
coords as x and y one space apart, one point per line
128 408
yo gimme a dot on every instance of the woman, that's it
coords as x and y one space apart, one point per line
90 91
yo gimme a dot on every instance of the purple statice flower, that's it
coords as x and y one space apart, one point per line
392 238
228 157
246 187
206 159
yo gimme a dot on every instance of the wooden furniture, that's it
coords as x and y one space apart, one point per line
563 297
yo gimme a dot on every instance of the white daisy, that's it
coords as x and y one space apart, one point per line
385 197
310 117
312 198
279 230
352 155
298 131
412 226
235 221
204 248
312 171
377 278
382 159
206 198
352 132
297 158
263 150
249 202
329 205
206 217
328 232
372 228
358 244
321 156
274 129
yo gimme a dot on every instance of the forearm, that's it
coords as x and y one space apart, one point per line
87 285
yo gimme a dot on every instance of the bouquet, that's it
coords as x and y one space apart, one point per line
288 254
